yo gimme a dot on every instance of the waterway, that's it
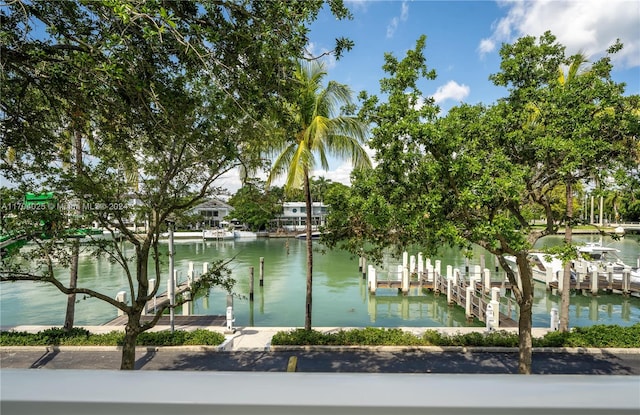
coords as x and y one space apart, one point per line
340 297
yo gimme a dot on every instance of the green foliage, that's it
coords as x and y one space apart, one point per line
255 206
82 337
594 336
598 336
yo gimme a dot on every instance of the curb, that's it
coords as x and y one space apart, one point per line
228 345
455 349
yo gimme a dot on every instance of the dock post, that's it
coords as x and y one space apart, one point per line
364 267
430 271
230 319
261 271
412 265
487 280
190 274
489 317
373 283
186 307
467 307
626 281
420 265
251 284
466 266
405 259
482 262
360 264
594 283
449 282
496 314
610 278
437 269
495 294
555 319
477 272
405 281
122 297
205 267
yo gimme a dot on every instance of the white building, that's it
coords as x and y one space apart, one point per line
213 212
294 216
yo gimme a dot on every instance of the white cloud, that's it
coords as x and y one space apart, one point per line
451 90
590 26
360 5
342 174
486 46
393 25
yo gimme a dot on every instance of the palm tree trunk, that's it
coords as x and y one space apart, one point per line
566 276
307 197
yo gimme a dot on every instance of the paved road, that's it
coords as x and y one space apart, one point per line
328 361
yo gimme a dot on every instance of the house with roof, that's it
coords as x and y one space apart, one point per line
294 216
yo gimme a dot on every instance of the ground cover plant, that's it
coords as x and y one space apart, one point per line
82 337
594 336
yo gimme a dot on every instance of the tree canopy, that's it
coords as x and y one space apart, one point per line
166 97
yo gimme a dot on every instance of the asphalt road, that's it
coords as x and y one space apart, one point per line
327 361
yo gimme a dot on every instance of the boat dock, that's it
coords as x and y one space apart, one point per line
162 300
601 282
478 293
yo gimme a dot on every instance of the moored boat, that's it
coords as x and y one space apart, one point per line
217 234
593 257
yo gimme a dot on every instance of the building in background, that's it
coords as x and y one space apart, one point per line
294 216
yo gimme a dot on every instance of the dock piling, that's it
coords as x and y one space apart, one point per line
261 271
251 284
122 297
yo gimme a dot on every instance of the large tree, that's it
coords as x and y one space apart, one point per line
474 176
169 92
314 127
576 122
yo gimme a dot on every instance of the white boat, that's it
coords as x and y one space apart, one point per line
314 235
217 234
244 234
594 257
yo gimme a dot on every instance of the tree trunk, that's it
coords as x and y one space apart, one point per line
307 197
73 283
75 253
566 276
132 330
525 302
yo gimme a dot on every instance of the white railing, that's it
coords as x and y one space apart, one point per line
70 392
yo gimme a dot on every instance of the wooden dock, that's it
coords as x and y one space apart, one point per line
200 321
476 294
586 284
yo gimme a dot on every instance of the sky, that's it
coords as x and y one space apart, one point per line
463 41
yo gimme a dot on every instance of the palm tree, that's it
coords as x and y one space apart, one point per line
318 129
574 71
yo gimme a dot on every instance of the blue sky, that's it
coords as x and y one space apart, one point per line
463 40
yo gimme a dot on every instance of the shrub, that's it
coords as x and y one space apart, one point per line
81 337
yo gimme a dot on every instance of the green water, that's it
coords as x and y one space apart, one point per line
340 297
